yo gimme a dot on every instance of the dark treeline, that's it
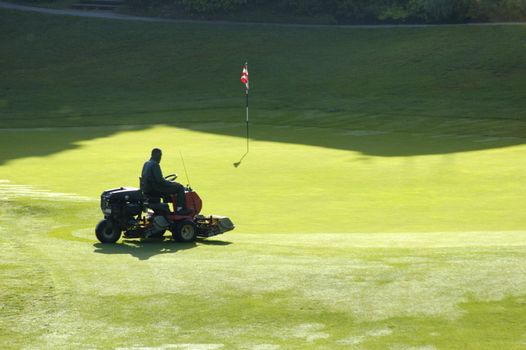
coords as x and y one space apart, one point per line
350 11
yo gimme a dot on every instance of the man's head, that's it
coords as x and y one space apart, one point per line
157 154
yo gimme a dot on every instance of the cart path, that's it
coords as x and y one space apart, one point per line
116 16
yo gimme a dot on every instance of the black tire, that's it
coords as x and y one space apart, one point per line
185 231
106 232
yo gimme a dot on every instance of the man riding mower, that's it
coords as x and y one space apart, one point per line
140 213
154 185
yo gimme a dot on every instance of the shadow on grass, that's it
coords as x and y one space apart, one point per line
20 143
212 242
354 84
413 139
142 250
145 249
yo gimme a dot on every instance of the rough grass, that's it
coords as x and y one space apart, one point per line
72 71
257 291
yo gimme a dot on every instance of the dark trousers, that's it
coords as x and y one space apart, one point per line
177 189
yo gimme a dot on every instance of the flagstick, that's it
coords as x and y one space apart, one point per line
247 120
244 80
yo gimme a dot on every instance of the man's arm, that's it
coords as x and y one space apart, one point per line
157 174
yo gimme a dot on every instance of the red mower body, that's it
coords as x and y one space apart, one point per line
193 203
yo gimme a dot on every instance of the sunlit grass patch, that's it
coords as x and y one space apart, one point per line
305 188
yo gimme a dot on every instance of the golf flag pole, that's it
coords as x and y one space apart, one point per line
244 80
246 93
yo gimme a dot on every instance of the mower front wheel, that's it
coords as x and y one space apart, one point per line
106 232
185 231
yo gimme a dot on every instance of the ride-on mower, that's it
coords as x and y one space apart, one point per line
128 210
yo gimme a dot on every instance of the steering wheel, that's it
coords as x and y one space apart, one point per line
171 177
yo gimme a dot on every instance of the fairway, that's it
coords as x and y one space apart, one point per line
369 215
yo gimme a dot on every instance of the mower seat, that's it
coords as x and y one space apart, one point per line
154 202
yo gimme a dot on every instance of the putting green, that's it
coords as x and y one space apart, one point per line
289 187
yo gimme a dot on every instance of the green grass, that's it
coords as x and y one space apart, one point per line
173 72
381 205
289 187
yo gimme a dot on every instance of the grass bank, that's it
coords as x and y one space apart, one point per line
71 71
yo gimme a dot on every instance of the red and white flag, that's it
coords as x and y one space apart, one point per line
244 76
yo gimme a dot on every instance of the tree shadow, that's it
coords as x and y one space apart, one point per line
144 249
354 85
20 143
402 141
410 141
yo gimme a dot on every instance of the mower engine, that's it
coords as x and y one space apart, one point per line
119 204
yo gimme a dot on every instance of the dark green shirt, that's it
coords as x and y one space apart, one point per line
152 179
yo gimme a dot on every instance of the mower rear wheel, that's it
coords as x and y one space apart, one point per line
185 231
106 232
